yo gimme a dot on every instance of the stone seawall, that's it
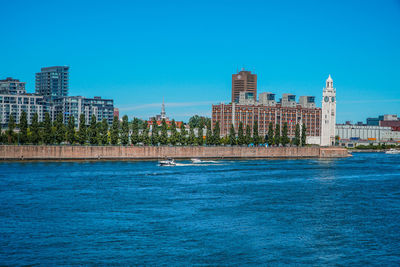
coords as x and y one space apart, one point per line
28 152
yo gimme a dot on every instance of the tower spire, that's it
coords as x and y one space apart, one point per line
163 109
329 82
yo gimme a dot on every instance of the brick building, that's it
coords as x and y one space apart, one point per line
227 114
247 109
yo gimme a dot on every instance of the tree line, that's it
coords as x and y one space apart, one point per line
139 132
277 137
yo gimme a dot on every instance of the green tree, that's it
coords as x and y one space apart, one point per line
145 134
296 140
92 131
3 137
135 131
232 136
209 137
82 131
23 128
125 131
277 138
98 132
200 133
115 131
303 135
59 129
225 140
164 133
103 132
256 137
196 121
285 139
174 138
47 130
192 137
241 138
270 135
182 135
71 130
216 134
248 135
35 135
154 133
10 131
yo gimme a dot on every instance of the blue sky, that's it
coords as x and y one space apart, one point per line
138 52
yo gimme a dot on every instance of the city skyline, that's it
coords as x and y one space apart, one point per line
190 60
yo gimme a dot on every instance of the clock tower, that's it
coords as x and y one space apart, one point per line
328 120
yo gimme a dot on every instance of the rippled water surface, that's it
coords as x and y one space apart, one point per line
274 212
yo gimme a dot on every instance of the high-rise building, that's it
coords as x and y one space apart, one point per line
244 81
52 81
328 120
12 86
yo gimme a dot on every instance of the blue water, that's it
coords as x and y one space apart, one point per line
274 212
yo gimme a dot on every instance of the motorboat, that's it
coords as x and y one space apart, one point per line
167 162
196 160
393 151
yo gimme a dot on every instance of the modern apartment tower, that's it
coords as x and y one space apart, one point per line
52 81
246 82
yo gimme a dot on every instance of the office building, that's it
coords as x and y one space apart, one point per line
352 135
244 81
52 81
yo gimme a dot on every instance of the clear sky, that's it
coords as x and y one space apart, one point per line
138 52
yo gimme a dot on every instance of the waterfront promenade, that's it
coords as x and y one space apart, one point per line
30 152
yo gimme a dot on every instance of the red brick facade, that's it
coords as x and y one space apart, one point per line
248 114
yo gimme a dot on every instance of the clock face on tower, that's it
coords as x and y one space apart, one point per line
333 99
326 99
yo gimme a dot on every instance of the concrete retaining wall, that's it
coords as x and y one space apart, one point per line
148 152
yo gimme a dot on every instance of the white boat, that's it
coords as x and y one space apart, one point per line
393 151
196 160
167 162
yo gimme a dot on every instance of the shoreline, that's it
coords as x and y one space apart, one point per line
367 150
140 153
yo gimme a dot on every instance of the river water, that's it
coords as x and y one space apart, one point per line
259 212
